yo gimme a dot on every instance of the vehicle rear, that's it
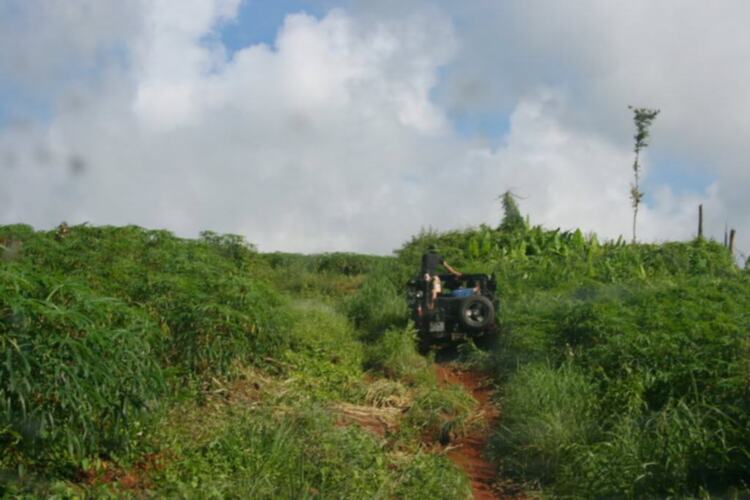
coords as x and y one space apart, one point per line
465 309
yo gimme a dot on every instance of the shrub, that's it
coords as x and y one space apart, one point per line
78 374
377 305
201 293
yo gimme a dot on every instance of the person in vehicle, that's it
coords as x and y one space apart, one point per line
430 262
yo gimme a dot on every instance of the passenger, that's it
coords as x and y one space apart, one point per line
430 262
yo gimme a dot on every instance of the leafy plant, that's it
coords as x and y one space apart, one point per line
79 372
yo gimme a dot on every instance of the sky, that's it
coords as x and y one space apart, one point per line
351 125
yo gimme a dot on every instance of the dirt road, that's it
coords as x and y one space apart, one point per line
467 451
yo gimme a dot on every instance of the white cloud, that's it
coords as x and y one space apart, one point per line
684 57
337 137
300 146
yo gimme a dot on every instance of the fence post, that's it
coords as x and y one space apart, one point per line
700 220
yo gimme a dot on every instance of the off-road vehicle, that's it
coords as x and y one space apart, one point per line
465 309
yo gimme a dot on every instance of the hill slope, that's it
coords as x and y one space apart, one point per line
135 359
625 367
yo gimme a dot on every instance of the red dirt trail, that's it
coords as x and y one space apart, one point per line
466 452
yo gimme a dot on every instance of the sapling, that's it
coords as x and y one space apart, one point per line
643 117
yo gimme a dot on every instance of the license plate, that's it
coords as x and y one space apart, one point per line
437 326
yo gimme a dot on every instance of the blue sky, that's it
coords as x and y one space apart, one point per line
258 21
681 175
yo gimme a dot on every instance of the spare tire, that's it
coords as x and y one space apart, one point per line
477 312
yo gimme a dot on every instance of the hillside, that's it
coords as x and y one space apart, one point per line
624 368
135 362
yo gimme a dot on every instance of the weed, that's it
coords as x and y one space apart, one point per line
394 355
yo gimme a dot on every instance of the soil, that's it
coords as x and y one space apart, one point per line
467 451
134 478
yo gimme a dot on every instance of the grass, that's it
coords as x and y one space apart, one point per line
263 455
547 412
79 372
378 304
624 368
125 344
394 356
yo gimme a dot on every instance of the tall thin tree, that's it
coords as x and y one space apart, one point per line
643 117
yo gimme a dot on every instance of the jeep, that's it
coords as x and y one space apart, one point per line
465 309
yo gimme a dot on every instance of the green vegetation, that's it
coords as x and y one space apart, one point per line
63 395
135 362
625 368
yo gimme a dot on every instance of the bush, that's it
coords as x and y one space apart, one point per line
377 305
201 293
91 320
79 373
675 451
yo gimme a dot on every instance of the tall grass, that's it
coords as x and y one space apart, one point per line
79 374
547 411
324 357
95 324
625 367
394 355
203 293
266 456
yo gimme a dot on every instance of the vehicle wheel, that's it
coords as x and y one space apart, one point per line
476 312
424 344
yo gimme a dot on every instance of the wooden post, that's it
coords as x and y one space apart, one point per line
700 221
731 242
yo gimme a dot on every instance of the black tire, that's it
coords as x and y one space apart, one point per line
424 344
476 312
